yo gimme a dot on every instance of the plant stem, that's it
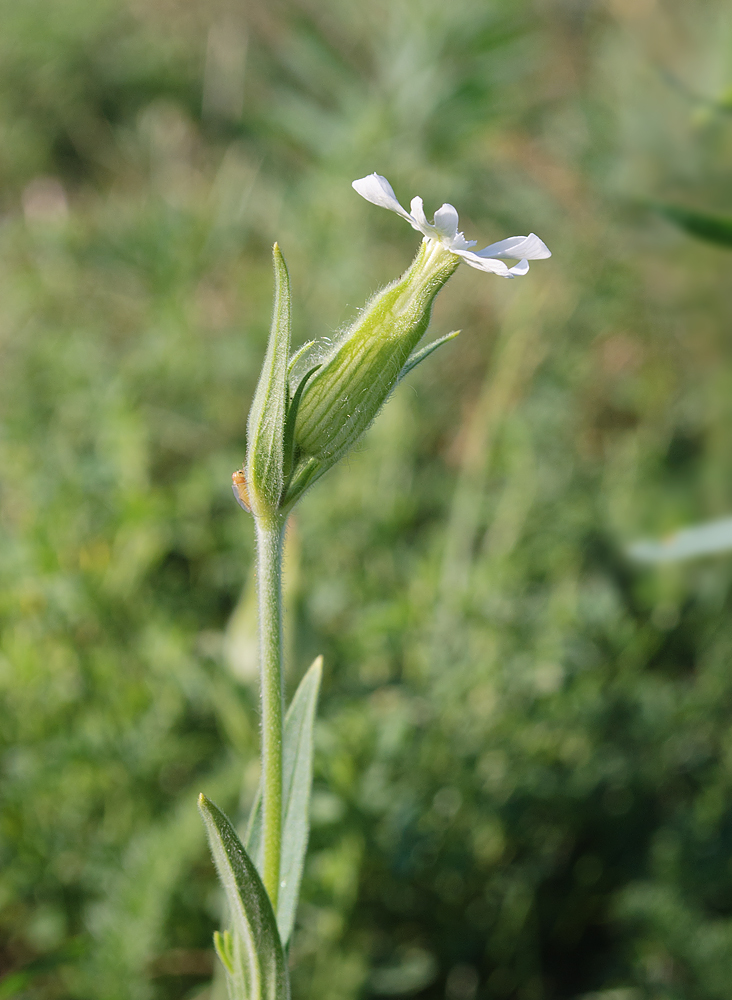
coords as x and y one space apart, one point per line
270 537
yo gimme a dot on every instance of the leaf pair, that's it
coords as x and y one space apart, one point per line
253 952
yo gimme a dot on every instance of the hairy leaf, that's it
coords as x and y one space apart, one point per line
419 356
251 952
297 781
266 423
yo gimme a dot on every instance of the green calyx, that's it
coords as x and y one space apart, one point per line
355 380
298 430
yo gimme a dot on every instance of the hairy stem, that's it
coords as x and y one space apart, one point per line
270 537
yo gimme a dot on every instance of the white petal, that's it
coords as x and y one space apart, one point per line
488 264
379 191
417 208
419 219
528 247
446 222
493 266
460 243
519 270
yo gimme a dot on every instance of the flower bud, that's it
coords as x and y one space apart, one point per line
355 379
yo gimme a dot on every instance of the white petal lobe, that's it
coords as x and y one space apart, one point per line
378 191
519 270
419 219
529 247
488 264
446 222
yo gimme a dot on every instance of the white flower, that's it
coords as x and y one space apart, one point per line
444 229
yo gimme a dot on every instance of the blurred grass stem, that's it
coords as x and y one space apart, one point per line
270 539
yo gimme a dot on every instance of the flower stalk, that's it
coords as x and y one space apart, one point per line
298 428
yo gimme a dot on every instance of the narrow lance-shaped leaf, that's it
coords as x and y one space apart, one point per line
266 423
297 752
252 952
419 356
289 436
299 353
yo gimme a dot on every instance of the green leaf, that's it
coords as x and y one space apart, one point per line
252 953
297 753
419 356
266 423
224 947
712 228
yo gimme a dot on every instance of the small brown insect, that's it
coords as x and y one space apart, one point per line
239 486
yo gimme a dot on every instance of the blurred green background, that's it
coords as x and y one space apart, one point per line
524 758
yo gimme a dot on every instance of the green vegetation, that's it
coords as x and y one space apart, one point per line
523 772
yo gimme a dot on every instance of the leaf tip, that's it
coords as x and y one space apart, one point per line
224 947
282 281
